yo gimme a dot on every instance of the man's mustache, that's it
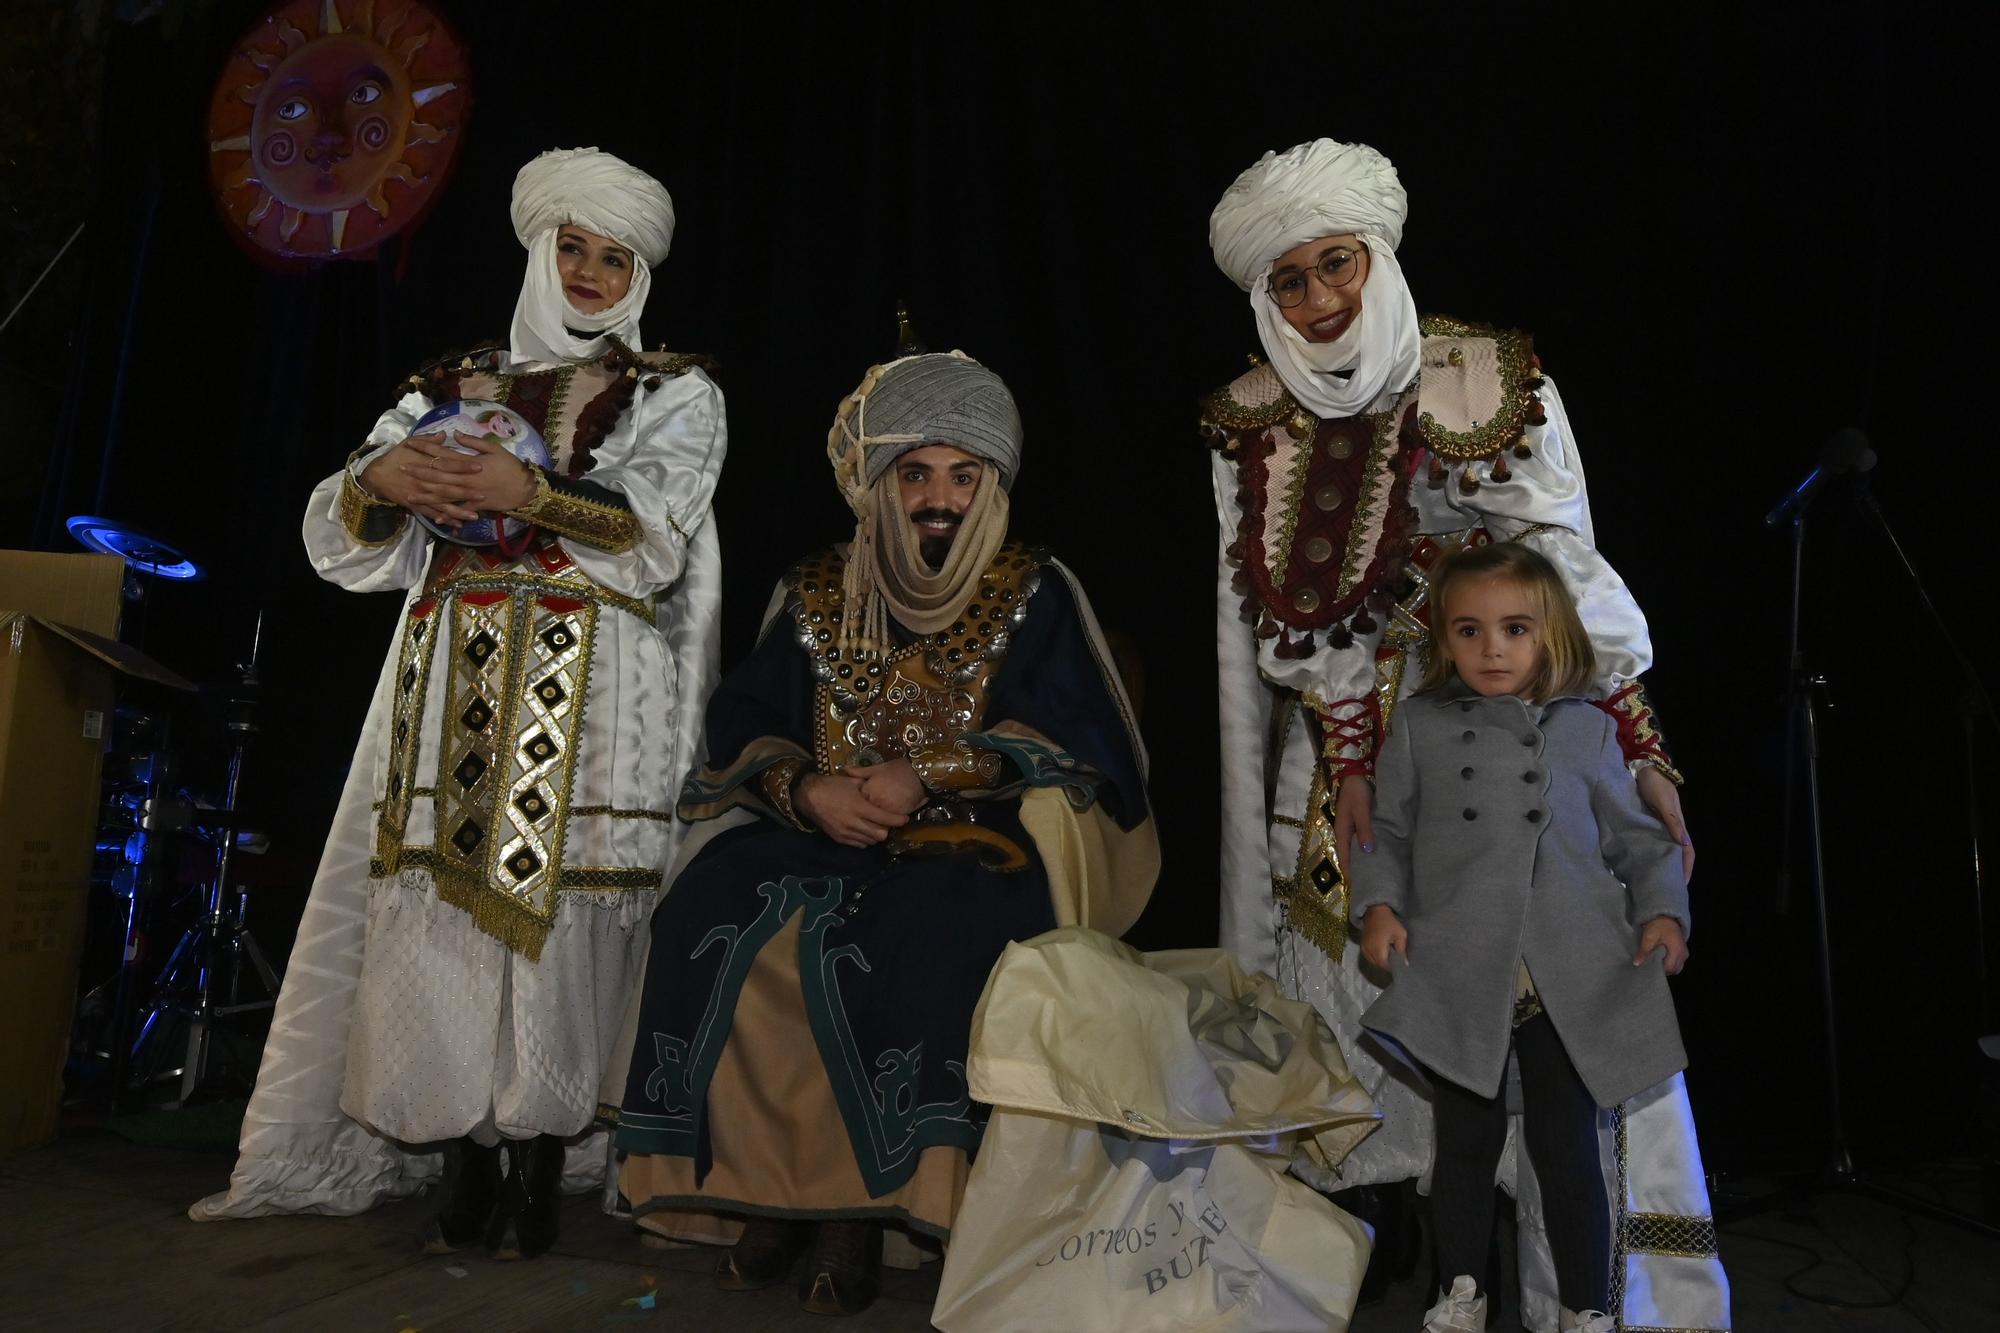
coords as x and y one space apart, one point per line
937 516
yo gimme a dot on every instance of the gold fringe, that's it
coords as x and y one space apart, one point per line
1315 917
514 923
493 913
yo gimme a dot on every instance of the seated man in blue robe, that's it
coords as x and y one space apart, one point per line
926 756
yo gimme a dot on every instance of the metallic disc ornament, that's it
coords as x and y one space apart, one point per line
482 420
335 124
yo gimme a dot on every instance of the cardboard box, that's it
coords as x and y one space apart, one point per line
57 662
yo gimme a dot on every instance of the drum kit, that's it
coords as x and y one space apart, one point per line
167 850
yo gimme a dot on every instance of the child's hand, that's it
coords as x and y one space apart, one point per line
1381 931
1662 932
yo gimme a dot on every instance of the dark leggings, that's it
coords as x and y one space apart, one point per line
1559 1122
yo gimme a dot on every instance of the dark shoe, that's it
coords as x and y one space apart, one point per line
844 1269
524 1225
762 1255
467 1198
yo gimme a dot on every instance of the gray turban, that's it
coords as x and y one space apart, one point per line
937 398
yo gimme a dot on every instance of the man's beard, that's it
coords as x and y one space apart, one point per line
935 549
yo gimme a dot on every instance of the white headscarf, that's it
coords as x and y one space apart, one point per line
1325 188
601 194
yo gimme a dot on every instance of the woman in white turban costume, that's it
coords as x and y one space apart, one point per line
479 917
1366 443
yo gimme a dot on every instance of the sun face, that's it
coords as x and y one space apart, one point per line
317 117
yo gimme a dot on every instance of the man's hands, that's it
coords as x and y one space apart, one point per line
1381 931
858 806
892 784
429 478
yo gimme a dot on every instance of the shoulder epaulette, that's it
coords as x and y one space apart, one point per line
1479 389
1252 401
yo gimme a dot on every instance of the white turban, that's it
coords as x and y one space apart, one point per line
601 194
1324 188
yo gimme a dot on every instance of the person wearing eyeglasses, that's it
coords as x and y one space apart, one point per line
1363 446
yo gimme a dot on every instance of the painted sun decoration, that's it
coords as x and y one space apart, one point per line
334 125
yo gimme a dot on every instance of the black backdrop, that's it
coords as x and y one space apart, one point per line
1730 232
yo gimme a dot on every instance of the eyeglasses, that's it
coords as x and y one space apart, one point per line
1336 268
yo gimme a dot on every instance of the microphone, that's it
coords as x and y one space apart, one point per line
1846 450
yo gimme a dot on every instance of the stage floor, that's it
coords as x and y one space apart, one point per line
94 1235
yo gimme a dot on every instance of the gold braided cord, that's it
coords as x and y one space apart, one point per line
615 812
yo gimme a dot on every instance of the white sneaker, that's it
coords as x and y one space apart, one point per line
1588 1321
1460 1310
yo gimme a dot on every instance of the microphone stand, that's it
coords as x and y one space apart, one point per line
1803 697
1975 704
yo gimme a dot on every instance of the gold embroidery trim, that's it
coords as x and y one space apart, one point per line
358 506
1360 545
577 585
607 877
1517 367
777 783
603 525
1670 1234
1221 410
1318 909
413 671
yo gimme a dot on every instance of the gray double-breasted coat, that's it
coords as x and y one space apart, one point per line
1509 832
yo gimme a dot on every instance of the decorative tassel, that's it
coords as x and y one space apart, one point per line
1234 550
1468 481
1267 628
1363 623
1340 637
1437 476
1500 472
1522 449
1537 414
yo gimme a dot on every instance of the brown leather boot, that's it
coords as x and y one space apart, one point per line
844 1269
762 1255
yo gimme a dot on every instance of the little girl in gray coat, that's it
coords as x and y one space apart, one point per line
1519 895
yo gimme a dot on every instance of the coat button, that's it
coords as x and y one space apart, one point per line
1528 741
1472 814
1531 776
1534 816
1465 773
1470 737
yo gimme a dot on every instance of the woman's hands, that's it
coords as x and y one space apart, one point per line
1381 931
1663 798
1353 819
430 478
